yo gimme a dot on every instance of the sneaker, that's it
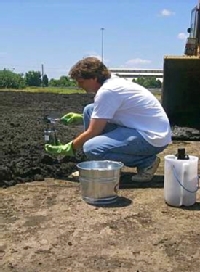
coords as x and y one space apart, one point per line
74 175
146 174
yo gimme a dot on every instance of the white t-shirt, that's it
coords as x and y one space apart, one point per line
131 105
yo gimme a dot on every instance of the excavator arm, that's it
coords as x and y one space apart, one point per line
192 46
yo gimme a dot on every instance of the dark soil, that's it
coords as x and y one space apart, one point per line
22 155
182 133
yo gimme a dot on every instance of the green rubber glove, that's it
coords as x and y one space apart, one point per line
72 118
65 149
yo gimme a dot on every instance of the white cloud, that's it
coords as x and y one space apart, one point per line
166 12
182 36
137 61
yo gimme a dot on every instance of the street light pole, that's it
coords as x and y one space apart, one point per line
102 30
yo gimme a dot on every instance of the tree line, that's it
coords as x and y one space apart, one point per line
149 82
12 80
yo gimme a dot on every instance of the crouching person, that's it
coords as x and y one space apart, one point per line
125 123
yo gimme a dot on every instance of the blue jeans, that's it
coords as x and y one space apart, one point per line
119 143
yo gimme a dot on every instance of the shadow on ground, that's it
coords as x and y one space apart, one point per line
195 207
127 183
119 203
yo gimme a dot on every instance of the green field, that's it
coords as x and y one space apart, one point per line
48 90
55 90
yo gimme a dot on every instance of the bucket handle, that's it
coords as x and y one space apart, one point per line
192 192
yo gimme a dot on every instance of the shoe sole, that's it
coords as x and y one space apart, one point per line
138 179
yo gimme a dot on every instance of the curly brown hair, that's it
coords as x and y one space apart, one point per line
90 67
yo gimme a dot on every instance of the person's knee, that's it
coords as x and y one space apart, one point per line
87 148
87 113
88 109
90 150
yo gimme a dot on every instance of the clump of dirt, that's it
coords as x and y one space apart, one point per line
22 155
185 133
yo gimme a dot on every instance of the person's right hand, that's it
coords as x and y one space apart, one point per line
72 118
61 149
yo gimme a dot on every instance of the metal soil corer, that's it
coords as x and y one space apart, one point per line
50 132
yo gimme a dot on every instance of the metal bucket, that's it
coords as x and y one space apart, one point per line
99 181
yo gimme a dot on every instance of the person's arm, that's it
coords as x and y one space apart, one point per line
95 128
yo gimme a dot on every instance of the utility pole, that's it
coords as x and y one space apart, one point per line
42 74
102 30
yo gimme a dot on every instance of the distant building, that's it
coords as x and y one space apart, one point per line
136 73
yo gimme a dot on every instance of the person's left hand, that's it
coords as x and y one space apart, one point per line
72 118
61 149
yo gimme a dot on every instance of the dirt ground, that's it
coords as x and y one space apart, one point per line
45 224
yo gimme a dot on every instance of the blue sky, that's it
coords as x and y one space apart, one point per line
58 33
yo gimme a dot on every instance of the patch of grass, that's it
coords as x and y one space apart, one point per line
47 90
69 90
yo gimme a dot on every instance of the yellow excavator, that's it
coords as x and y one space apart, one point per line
180 94
192 46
